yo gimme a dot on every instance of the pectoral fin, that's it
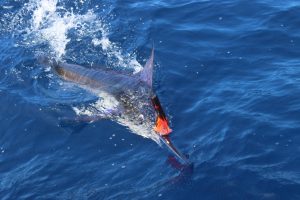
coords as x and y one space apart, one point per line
65 121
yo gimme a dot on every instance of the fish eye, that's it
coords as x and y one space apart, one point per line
141 118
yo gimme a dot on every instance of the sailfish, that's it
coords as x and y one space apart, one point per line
136 105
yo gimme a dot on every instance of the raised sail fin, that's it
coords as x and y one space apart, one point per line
146 74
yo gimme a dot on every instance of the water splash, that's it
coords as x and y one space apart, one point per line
51 24
53 29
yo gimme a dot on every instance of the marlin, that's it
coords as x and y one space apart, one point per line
136 105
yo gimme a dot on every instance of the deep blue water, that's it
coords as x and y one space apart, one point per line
227 73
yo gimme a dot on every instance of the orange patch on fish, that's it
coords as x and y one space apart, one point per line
162 126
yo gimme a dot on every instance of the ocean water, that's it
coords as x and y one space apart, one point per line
227 74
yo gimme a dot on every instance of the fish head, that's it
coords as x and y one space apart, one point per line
142 109
143 105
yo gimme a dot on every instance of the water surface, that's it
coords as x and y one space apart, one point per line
227 73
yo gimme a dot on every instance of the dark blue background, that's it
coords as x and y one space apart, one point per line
228 73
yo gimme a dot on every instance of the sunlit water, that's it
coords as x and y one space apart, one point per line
227 73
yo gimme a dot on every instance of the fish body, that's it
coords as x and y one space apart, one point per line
136 108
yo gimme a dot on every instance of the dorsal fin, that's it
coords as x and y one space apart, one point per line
147 72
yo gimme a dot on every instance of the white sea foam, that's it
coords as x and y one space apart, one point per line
44 9
7 7
115 54
105 106
56 26
51 24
